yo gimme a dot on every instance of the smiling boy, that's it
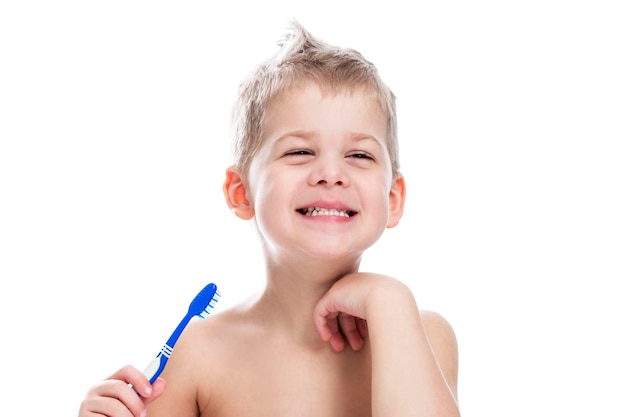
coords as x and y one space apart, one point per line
316 171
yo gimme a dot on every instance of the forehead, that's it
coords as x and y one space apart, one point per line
312 107
360 92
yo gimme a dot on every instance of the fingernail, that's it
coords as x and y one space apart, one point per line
148 390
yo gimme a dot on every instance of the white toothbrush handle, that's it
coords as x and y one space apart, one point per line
156 366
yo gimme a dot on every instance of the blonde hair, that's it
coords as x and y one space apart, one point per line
301 58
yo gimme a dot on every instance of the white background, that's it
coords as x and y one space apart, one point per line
114 141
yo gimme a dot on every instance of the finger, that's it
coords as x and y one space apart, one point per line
337 342
332 334
158 387
325 323
361 326
113 398
328 328
135 378
350 331
124 394
104 406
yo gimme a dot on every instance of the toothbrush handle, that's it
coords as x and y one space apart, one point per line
179 329
156 366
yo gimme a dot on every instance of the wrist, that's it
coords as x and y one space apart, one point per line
391 298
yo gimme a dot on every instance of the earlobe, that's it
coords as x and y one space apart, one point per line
235 193
397 196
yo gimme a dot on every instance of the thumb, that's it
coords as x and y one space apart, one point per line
158 387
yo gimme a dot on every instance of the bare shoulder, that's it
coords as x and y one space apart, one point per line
444 344
198 366
437 325
213 336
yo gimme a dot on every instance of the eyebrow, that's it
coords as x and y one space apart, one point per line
309 135
302 134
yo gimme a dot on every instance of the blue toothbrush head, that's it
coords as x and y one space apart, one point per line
204 302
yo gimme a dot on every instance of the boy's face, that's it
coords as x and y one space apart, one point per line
321 182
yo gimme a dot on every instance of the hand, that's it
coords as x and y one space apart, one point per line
340 315
117 396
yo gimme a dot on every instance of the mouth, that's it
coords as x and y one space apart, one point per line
321 211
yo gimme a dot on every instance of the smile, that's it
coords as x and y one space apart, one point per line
320 211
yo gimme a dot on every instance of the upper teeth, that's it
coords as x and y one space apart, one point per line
319 211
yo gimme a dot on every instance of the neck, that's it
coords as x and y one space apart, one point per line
291 293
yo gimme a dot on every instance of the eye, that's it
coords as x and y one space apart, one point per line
295 153
299 152
297 156
361 155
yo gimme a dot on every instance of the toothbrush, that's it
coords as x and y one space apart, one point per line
201 306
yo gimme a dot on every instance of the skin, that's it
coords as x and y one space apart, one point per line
323 338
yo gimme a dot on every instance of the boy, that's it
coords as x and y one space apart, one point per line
316 171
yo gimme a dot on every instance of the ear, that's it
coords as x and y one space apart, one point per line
235 192
397 196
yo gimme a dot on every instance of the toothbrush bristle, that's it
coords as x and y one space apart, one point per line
203 299
204 313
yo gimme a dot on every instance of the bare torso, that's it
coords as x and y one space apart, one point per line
235 366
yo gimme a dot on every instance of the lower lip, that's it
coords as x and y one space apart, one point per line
329 219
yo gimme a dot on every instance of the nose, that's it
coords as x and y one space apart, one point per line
329 172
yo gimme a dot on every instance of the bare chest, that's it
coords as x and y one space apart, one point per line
294 384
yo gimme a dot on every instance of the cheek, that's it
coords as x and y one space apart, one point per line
381 202
269 194
375 201
259 182
379 188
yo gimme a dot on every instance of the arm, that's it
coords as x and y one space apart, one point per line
114 397
414 356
